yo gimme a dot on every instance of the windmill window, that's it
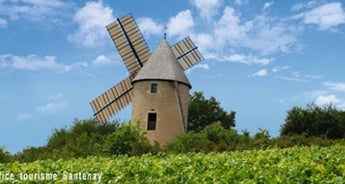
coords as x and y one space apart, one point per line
151 121
154 87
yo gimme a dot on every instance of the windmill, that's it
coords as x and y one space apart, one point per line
135 54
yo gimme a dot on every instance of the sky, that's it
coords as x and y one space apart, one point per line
261 58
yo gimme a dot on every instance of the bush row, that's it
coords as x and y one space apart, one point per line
88 138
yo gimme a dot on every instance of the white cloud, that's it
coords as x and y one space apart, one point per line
324 97
300 6
53 107
325 16
208 8
324 100
260 73
330 99
240 2
260 36
203 41
294 75
267 5
181 24
291 78
198 66
270 35
280 68
92 19
3 23
36 10
235 39
310 76
148 26
34 62
229 30
24 116
337 86
247 59
102 60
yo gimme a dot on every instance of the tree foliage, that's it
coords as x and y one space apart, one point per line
127 140
4 155
213 137
82 139
203 112
317 121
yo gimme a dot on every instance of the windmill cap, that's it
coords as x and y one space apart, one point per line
162 65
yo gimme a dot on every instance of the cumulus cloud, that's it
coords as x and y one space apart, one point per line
34 62
325 16
3 23
330 99
92 19
181 24
203 40
229 29
52 107
102 60
149 27
324 100
325 97
208 8
260 73
262 36
229 37
270 35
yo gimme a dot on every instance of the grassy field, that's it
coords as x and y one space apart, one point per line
292 165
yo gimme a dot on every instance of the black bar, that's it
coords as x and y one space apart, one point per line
101 109
183 55
130 43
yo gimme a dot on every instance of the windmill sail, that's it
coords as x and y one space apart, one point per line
134 53
129 42
113 100
187 54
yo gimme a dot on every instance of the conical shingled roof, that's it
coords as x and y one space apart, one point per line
162 65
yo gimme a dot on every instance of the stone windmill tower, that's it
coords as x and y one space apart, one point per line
157 85
160 96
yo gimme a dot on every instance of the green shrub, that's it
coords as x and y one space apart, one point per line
213 137
127 140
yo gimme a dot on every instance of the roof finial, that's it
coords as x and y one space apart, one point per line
165 33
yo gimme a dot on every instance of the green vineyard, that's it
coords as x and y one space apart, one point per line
291 165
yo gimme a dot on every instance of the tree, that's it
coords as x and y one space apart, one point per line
127 140
203 112
84 138
4 155
315 121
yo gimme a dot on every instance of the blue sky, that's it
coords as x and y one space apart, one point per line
261 58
